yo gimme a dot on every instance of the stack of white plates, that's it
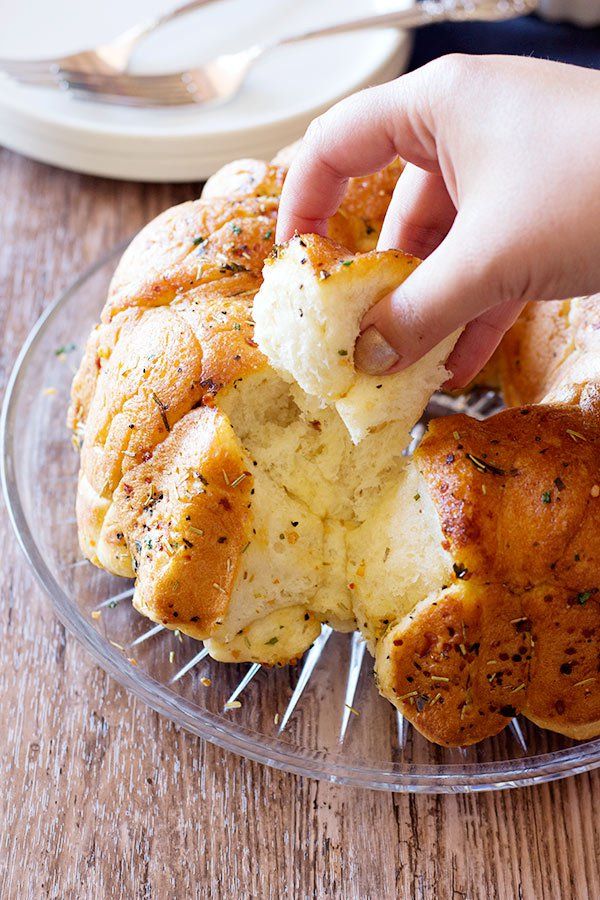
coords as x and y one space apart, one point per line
283 92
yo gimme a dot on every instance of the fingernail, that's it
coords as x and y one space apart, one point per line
372 353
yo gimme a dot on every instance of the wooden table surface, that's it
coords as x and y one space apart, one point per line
101 798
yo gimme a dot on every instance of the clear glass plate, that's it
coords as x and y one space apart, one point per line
322 718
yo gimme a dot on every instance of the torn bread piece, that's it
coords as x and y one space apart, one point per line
307 318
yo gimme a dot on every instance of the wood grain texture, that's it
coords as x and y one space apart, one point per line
101 798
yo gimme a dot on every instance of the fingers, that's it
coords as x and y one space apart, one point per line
478 341
372 353
418 219
358 136
453 286
420 214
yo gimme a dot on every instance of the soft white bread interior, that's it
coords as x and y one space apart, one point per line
390 575
307 318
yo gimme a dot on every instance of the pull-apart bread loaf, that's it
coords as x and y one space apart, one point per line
255 486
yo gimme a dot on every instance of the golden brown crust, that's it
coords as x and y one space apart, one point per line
368 198
193 244
518 501
552 354
322 253
184 515
532 351
169 363
563 693
151 380
577 380
325 257
458 664
469 659
246 178
357 223
220 315
98 351
516 494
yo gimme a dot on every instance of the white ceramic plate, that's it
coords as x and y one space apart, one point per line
282 93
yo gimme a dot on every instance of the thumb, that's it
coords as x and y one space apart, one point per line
453 286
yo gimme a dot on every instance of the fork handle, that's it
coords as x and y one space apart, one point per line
143 29
425 13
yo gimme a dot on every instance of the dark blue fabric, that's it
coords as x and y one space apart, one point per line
529 36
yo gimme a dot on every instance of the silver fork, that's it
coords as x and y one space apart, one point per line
109 59
220 79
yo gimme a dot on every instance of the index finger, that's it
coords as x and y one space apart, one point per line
358 136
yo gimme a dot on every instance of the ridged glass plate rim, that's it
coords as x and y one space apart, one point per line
275 752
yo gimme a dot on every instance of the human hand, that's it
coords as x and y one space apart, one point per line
500 197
